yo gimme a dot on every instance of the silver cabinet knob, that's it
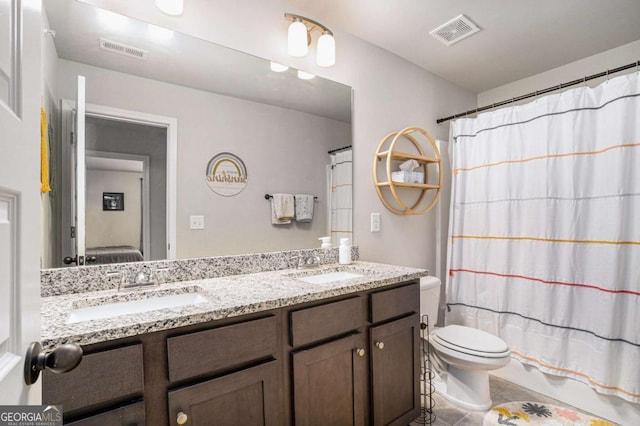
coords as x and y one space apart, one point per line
360 352
182 418
380 345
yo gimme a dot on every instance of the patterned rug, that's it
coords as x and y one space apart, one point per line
538 413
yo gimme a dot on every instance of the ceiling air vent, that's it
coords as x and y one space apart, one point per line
455 30
123 49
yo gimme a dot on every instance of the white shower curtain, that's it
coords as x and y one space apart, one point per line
544 238
341 196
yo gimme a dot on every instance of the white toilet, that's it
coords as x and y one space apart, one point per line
467 354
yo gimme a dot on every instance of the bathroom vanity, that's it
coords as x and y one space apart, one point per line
265 348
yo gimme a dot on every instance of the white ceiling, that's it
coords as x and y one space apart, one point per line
518 38
188 61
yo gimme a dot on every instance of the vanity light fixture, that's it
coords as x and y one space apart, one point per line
171 7
305 75
299 39
276 67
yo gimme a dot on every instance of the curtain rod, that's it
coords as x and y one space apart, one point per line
333 151
540 92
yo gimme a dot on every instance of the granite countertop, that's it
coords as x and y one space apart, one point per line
223 297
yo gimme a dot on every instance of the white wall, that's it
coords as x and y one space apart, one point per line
389 95
113 228
568 390
284 151
623 55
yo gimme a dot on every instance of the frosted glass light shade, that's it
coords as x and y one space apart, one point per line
171 7
326 52
302 75
276 67
297 39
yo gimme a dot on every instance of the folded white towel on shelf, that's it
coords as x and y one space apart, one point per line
304 207
282 209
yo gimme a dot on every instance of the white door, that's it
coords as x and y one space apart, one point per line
20 87
73 185
80 171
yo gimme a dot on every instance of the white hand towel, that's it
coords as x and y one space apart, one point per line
282 209
304 207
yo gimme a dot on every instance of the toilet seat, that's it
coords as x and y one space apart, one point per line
471 341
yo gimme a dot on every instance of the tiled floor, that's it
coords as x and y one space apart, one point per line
502 391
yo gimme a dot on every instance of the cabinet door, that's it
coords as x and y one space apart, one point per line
249 397
330 383
395 371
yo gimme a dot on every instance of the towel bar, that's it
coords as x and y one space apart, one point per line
269 196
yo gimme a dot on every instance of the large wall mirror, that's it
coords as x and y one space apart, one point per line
159 106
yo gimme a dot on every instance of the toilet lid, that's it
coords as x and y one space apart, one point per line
470 340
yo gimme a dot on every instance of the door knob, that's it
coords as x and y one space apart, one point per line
69 260
59 360
360 352
380 345
83 259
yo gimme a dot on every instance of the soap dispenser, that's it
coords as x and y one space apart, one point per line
345 251
326 242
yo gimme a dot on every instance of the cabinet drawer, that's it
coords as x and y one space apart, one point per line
320 322
130 415
113 375
395 302
211 351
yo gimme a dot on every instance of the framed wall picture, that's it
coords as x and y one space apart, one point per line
113 201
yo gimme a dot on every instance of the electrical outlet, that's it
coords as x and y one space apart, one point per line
196 222
375 222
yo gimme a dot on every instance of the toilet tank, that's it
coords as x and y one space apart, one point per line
430 298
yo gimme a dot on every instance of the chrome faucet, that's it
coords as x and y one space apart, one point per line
141 279
308 262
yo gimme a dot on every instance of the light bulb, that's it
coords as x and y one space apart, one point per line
297 39
276 67
326 56
170 7
302 75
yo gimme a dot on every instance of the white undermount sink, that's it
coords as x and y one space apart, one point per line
329 277
115 309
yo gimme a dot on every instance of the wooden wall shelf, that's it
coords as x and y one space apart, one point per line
390 154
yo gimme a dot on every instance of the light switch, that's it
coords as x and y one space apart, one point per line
196 222
375 222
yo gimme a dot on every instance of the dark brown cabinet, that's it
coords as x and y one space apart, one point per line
329 383
347 360
248 397
394 345
395 368
129 415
